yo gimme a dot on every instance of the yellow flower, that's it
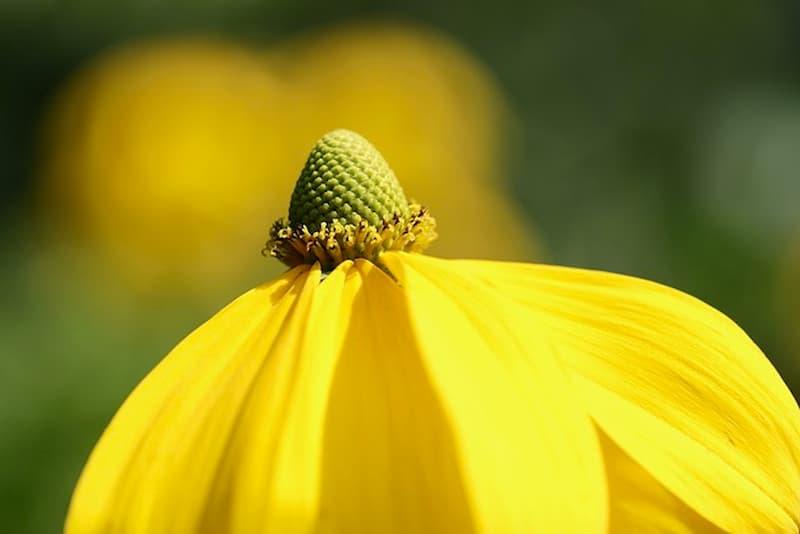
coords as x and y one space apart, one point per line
200 137
374 389
177 135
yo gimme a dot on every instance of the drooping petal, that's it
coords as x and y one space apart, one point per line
528 454
270 477
307 406
677 385
391 456
161 464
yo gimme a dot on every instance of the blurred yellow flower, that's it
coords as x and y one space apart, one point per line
405 393
167 157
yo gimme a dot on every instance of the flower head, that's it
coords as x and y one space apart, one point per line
405 393
348 205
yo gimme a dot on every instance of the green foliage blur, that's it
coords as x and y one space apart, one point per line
660 139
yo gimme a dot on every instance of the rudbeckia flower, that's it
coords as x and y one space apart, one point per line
371 388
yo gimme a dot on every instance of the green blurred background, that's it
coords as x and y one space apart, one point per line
146 147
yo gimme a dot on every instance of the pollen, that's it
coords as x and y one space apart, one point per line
348 204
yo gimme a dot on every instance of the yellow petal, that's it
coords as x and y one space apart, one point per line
158 466
639 503
528 453
391 459
677 385
269 480
307 406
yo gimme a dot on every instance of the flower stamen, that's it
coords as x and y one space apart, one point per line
331 245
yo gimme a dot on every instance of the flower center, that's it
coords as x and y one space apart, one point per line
348 204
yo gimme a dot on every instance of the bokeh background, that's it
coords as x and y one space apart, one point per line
145 148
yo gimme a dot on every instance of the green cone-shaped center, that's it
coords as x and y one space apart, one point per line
347 205
345 180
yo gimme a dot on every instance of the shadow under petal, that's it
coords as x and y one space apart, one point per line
390 461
